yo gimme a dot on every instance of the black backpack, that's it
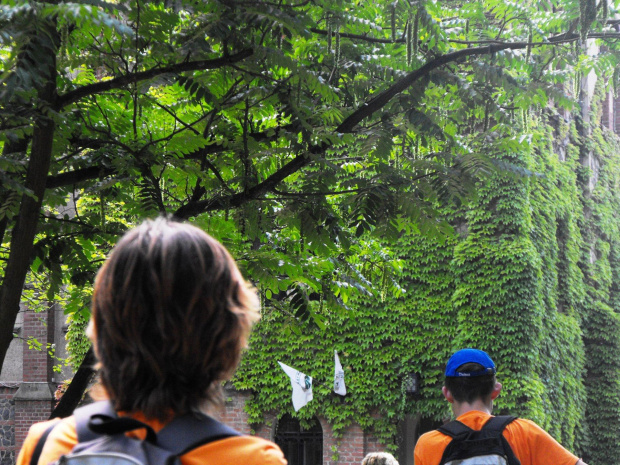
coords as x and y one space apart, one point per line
485 447
102 439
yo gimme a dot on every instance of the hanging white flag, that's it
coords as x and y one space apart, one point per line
302 386
339 387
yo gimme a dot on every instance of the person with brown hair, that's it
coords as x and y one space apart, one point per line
171 315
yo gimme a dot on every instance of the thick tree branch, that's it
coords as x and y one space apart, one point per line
94 172
217 174
236 200
80 175
384 97
122 81
73 395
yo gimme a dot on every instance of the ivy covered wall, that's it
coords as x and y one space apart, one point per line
531 275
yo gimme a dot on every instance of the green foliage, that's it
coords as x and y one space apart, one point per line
601 339
600 310
77 319
441 217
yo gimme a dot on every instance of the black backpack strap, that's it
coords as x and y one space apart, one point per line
498 424
36 453
82 418
105 425
454 428
187 432
494 427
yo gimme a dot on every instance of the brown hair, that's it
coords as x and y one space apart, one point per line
171 314
470 389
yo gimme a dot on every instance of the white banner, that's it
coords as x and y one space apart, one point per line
302 386
339 387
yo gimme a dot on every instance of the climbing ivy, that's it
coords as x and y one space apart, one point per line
379 343
599 181
529 275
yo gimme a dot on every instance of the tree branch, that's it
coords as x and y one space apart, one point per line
179 120
93 172
365 38
72 397
193 208
236 200
319 194
121 81
80 175
567 37
384 97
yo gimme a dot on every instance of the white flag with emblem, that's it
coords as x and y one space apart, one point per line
339 387
302 386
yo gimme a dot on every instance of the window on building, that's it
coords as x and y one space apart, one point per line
300 446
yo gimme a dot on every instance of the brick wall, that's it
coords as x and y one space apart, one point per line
267 429
330 443
37 363
232 412
351 448
28 412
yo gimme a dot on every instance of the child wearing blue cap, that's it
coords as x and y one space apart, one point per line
471 387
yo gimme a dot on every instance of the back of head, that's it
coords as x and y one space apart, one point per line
171 314
470 376
379 458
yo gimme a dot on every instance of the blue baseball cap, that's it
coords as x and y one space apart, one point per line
464 356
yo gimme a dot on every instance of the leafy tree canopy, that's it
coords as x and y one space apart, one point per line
298 133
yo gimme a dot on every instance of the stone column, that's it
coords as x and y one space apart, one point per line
7 420
34 398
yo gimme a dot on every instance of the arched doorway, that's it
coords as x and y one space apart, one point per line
300 446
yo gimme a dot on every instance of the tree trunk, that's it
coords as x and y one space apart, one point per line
22 237
9 148
23 234
74 393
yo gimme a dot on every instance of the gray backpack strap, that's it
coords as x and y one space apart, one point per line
82 417
187 432
182 434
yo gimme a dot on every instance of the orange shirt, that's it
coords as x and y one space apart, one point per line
248 450
530 443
